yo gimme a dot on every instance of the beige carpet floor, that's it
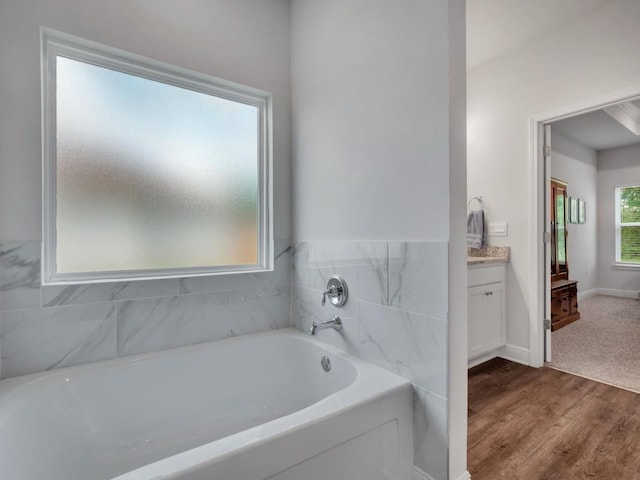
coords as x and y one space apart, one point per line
604 344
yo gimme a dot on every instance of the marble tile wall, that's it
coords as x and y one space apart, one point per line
42 328
396 317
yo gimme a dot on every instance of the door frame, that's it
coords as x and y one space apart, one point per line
537 191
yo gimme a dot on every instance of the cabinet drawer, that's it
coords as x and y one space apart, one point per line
560 292
564 304
573 303
485 275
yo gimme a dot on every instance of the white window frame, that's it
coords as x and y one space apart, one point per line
54 43
618 228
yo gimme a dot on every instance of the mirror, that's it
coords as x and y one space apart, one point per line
559 263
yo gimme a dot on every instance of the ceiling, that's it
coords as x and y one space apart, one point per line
600 130
496 27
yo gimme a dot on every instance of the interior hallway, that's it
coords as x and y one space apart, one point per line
534 424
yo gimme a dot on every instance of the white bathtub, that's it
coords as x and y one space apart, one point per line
252 407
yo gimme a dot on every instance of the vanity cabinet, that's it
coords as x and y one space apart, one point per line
486 295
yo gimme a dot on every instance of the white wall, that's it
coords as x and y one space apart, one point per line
370 94
373 88
616 167
378 146
457 348
592 56
246 41
577 164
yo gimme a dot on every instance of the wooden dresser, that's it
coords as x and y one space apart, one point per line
564 292
564 303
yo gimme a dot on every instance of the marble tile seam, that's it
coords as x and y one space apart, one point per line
367 302
420 387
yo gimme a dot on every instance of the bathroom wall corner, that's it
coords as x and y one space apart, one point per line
396 318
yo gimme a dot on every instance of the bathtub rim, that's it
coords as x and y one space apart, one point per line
371 383
379 383
16 384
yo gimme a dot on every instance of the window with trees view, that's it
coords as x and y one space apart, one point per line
628 224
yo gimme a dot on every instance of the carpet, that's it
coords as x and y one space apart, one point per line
604 344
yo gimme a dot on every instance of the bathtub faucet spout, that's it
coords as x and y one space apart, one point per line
335 323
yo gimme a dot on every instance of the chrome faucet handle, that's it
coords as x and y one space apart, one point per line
336 291
332 291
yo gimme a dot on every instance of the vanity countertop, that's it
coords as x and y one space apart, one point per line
487 255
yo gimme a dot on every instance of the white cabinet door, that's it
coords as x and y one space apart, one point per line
486 322
494 332
476 321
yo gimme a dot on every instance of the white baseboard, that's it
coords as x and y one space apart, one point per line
508 352
588 293
482 358
515 354
617 293
464 476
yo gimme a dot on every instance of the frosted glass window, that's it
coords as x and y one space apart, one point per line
152 176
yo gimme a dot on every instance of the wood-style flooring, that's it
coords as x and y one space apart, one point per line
540 423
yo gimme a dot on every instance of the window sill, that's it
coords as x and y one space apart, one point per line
626 266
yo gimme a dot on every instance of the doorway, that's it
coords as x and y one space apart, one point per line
584 223
594 249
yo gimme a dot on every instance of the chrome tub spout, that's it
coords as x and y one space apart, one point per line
335 323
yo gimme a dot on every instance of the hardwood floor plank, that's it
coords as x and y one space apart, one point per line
532 424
